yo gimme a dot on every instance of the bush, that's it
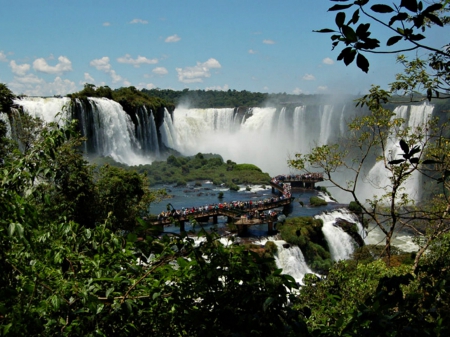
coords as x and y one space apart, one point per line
306 233
316 201
354 207
271 247
247 167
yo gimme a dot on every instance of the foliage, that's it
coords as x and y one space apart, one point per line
330 301
316 201
246 167
60 277
202 167
306 233
408 20
209 98
354 207
6 98
130 98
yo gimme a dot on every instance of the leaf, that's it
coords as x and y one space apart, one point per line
349 57
340 19
349 33
267 303
56 302
393 40
355 17
416 37
433 18
431 161
414 160
362 63
395 162
339 7
410 5
414 150
11 228
109 291
432 8
324 30
382 8
404 146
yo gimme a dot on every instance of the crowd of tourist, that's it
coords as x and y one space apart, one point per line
299 177
253 209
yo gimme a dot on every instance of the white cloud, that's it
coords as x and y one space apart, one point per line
309 77
144 22
106 24
268 41
115 78
3 57
251 51
327 60
322 87
63 66
146 86
126 83
218 88
101 64
136 62
160 71
266 88
19 69
88 78
197 72
172 38
35 86
297 91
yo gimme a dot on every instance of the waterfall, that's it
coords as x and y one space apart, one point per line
167 131
414 115
146 132
48 109
290 260
340 243
4 118
114 133
108 128
266 137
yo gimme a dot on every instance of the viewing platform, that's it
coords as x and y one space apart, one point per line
299 181
244 214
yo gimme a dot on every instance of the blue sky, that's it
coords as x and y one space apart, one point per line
54 47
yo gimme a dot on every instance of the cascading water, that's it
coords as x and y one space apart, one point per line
341 244
414 115
5 119
108 128
266 138
48 109
290 260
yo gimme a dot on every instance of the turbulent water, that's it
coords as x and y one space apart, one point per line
340 243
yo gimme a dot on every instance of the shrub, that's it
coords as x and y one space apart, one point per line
354 207
316 201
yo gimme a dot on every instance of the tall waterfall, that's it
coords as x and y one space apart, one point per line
340 243
267 138
108 128
414 115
